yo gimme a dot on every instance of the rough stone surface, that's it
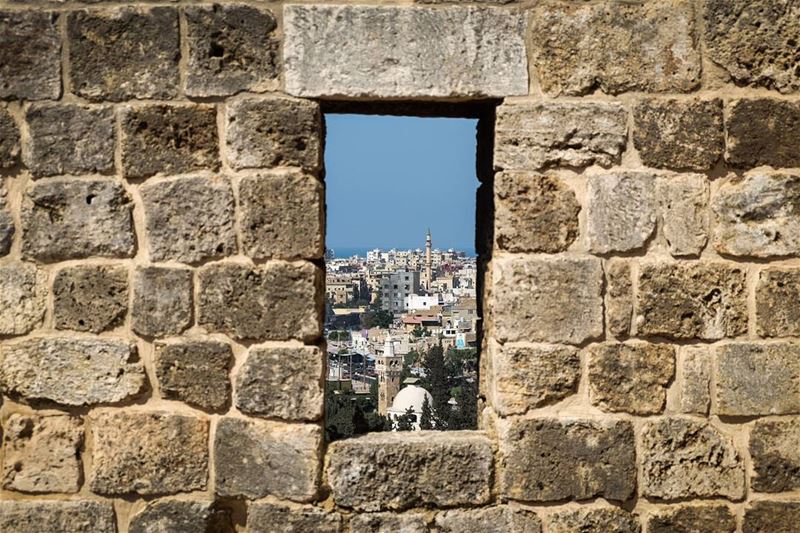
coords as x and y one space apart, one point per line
594 519
74 219
763 132
388 523
189 219
758 379
7 227
162 301
23 292
695 383
619 297
632 377
686 458
167 516
550 459
30 55
497 519
41 453
777 297
90 297
147 453
397 471
272 518
422 52
691 300
282 382
282 216
69 139
683 203
692 519
124 53
77 516
534 213
169 139
615 47
527 376
771 517
756 42
277 301
273 131
10 147
71 370
194 371
775 450
253 458
547 299
232 48
533 136
621 215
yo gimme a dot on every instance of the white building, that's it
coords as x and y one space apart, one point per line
410 396
417 302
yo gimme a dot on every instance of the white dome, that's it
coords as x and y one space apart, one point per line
410 396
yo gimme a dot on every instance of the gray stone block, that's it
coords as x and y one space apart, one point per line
181 516
683 206
162 301
90 297
497 519
771 517
622 211
76 516
594 519
763 131
10 147
687 518
778 302
274 518
30 55
775 450
194 371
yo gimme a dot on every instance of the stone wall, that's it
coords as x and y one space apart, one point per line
161 231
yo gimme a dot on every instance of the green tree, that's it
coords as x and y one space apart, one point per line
377 319
465 416
426 418
418 331
405 422
436 383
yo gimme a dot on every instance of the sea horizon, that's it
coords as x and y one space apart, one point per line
343 252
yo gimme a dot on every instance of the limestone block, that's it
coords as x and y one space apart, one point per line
778 302
619 297
232 48
70 139
254 458
124 53
496 519
691 300
71 370
282 382
756 42
30 55
534 213
272 518
7 228
23 293
42 453
74 219
38 516
180 516
169 139
632 377
688 518
695 383
621 215
527 376
547 299
277 301
758 379
763 132
536 135
189 219
683 206
90 297
615 47
756 215
162 300
273 131
687 458
282 216
549 459
423 52
374 472
594 519
775 450
388 523
147 453
9 139
194 371
771 517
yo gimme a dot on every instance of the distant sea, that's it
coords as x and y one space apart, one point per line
344 252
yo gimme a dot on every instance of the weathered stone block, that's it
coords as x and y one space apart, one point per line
757 215
534 213
7 228
621 215
194 371
619 297
282 216
422 52
90 297
273 131
169 139
690 518
77 516
594 519
771 517
254 458
758 379
775 450
615 47
691 300
71 370
147 453
69 139
41 453
30 55
778 302
232 48
179 516
375 472
550 459
534 136
632 377
73 219
763 131
497 519
23 294
277 301
388 523
543 299
162 301
687 458
683 205
695 381
124 53
10 147
272 518
526 376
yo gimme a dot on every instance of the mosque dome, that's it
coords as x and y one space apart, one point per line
410 396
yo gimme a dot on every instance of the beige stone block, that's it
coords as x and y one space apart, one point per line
23 293
622 210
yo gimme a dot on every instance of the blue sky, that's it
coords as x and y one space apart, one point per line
389 178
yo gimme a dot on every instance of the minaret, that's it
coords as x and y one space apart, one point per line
428 262
389 367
